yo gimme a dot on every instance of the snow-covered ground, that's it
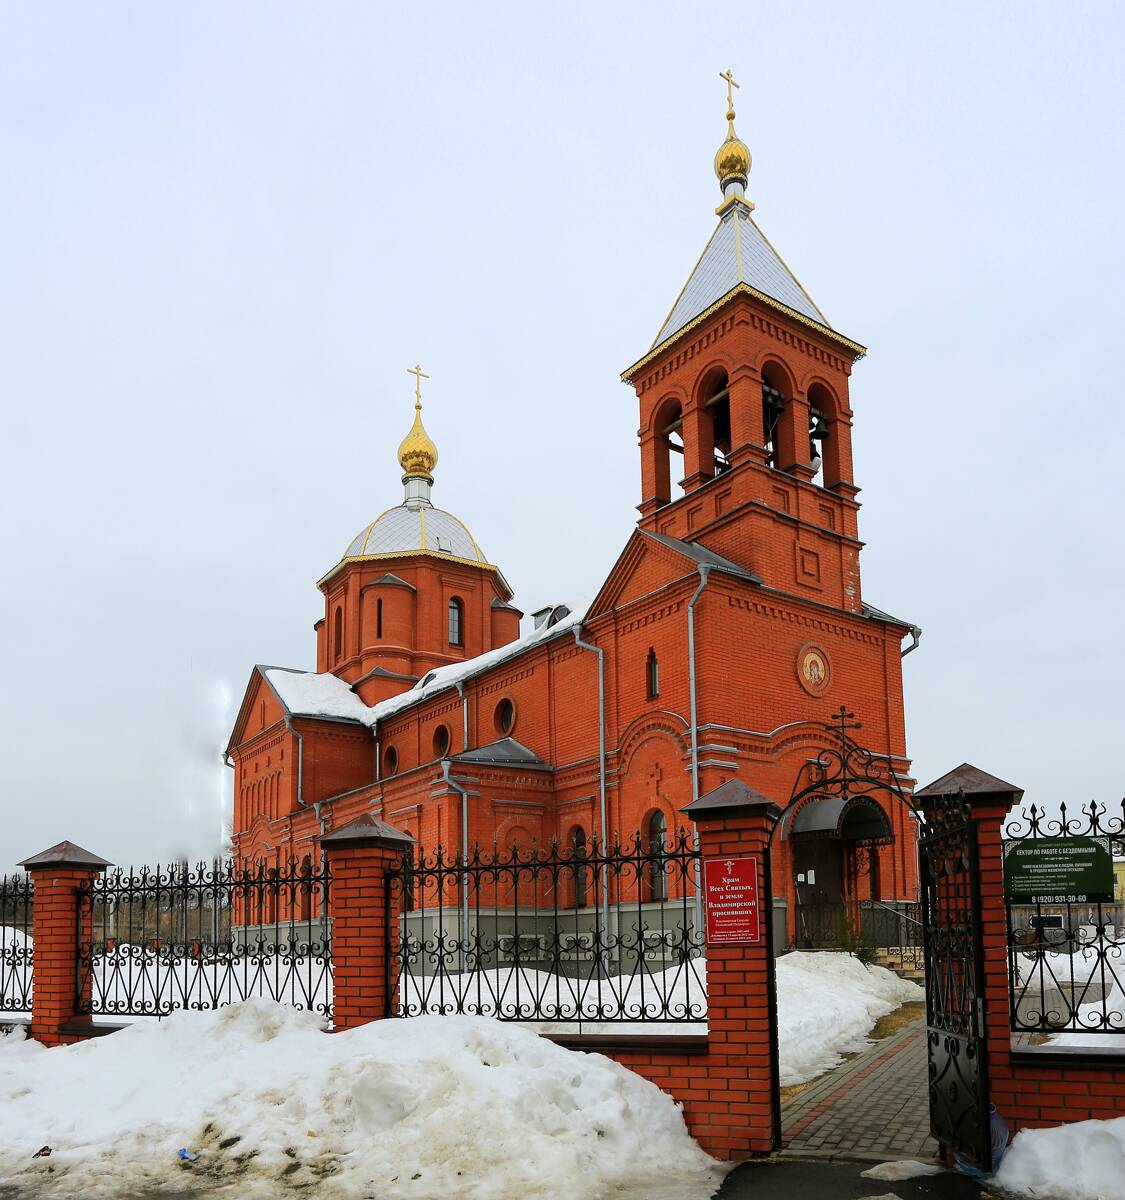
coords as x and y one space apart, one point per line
826 1006
1083 1161
426 1108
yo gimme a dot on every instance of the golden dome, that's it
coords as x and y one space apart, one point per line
732 159
417 455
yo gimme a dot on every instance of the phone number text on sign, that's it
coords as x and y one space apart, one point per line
731 890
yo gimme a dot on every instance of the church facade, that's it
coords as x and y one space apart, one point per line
732 626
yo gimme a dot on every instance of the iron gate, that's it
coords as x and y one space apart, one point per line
955 1026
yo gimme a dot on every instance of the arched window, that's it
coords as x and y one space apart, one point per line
825 465
773 405
441 741
669 442
338 634
456 622
656 836
505 716
578 861
716 399
652 675
379 617
390 760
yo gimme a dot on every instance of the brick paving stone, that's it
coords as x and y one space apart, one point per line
874 1105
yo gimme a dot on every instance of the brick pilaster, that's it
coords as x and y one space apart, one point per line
57 933
740 1114
365 913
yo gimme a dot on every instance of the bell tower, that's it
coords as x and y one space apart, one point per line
745 417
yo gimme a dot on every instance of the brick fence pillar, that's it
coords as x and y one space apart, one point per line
741 1115
56 936
365 918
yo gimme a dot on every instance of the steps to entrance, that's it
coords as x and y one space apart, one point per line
905 961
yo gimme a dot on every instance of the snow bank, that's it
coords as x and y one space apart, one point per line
1083 1161
826 1006
424 1108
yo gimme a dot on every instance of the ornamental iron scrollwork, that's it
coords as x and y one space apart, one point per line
17 950
551 933
155 940
1066 954
955 1033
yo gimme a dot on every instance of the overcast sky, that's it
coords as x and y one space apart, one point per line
229 229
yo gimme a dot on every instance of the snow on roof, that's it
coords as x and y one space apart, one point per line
308 694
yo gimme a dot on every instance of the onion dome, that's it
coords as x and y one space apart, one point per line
417 454
415 526
732 159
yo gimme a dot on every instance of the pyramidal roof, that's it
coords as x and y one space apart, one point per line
738 255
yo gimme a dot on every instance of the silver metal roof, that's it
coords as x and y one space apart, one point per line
738 253
410 528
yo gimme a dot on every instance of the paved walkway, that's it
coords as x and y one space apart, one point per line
872 1108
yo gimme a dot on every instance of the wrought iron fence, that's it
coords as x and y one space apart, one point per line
1066 959
551 934
200 937
16 947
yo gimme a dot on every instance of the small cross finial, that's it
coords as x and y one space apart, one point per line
728 75
419 375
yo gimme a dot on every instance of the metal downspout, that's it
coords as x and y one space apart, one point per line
464 717
916 637
463 939
704 573
300 760
603 830
318 807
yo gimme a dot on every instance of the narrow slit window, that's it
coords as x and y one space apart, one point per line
456 622
652 675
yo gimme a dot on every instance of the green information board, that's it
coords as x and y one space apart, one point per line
1059 870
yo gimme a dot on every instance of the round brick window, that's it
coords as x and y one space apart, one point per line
390 760
441 741
505 716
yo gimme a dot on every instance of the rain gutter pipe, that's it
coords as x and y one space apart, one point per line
300 762
602 818
464 716
704 574
915 638
446 774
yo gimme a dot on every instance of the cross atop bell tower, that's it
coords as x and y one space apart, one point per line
745 431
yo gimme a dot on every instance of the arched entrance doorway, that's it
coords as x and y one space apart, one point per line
837 817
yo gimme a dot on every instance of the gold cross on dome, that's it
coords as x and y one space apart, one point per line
419 375
728 75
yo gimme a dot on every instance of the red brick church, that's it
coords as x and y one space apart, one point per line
733 617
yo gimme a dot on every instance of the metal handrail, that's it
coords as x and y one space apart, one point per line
897 911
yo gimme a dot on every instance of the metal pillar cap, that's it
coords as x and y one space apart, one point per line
366 831
728 798
971 781
64 854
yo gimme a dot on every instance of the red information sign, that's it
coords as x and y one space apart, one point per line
731 889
